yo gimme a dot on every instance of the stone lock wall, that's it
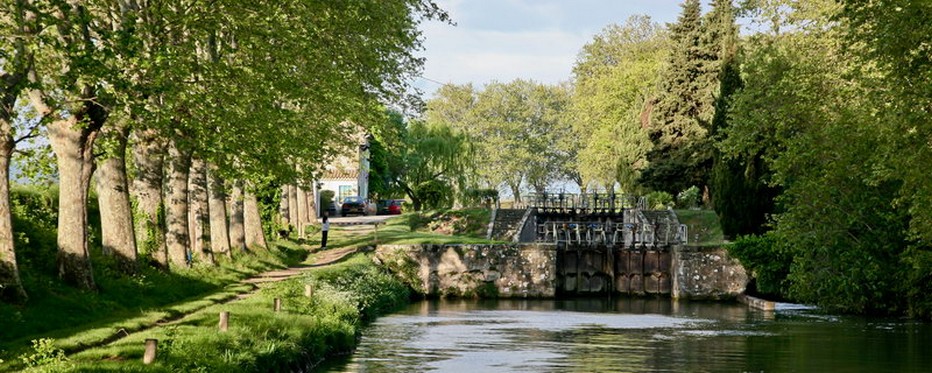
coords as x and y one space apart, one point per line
541 270
701 273
516 270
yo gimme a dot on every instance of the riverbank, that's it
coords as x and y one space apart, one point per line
345 296
305 331
77 319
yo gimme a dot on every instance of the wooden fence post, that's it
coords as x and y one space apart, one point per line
308 290
224 320
278 304
152 346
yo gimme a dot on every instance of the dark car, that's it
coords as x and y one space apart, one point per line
353 205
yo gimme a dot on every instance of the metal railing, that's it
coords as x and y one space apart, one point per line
589 233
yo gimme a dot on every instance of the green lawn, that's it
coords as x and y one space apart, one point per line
704 227
394 231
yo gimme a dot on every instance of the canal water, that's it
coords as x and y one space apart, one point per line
633 335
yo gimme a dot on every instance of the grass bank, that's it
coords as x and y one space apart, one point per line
704 227
123 304
415 228
307 330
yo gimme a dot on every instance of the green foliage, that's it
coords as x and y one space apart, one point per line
768 262
688 198
372 289
430 163
326 199
518 129
659 200
480 197
44 353
916 283
614 78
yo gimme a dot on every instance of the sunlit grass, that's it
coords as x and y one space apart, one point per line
704 227
394 231
306 331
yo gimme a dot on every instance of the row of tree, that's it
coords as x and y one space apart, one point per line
183 108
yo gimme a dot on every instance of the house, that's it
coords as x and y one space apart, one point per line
348 173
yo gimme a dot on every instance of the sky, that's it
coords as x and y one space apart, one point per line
505 40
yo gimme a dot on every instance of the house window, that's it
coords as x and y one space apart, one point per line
345 191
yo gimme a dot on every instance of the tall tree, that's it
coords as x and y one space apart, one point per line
14 67
148 155
116 215
681 119
740 193
614 77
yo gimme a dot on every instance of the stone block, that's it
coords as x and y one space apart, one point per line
622 283
651 262
636 284
636 263
652 284
666 283
622 259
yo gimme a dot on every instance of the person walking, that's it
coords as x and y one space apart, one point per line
323 232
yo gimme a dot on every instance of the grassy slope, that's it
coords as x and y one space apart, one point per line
76 318
704 225
346 296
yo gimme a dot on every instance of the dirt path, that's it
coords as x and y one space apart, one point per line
324 258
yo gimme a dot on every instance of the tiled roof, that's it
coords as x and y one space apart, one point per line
340 175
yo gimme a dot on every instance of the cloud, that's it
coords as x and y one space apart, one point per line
505 40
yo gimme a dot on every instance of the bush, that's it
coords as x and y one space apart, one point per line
767 262
688 198
917 282
659 200
480 197
326 200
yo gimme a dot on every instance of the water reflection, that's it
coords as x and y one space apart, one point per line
631 335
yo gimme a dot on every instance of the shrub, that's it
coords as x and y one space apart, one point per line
688 198
659 200
767 261
480 197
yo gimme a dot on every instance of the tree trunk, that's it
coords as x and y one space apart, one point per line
200 211
516 191
293 206
252 222
302 211
73 143
283 208
11 287
219 231
15 73
237 220
116 215
177 237
311 205
148 154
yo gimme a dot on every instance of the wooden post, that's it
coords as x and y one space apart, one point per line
278 304
224 320
152 345
308 290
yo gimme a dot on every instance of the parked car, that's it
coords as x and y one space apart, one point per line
394 206
354 205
